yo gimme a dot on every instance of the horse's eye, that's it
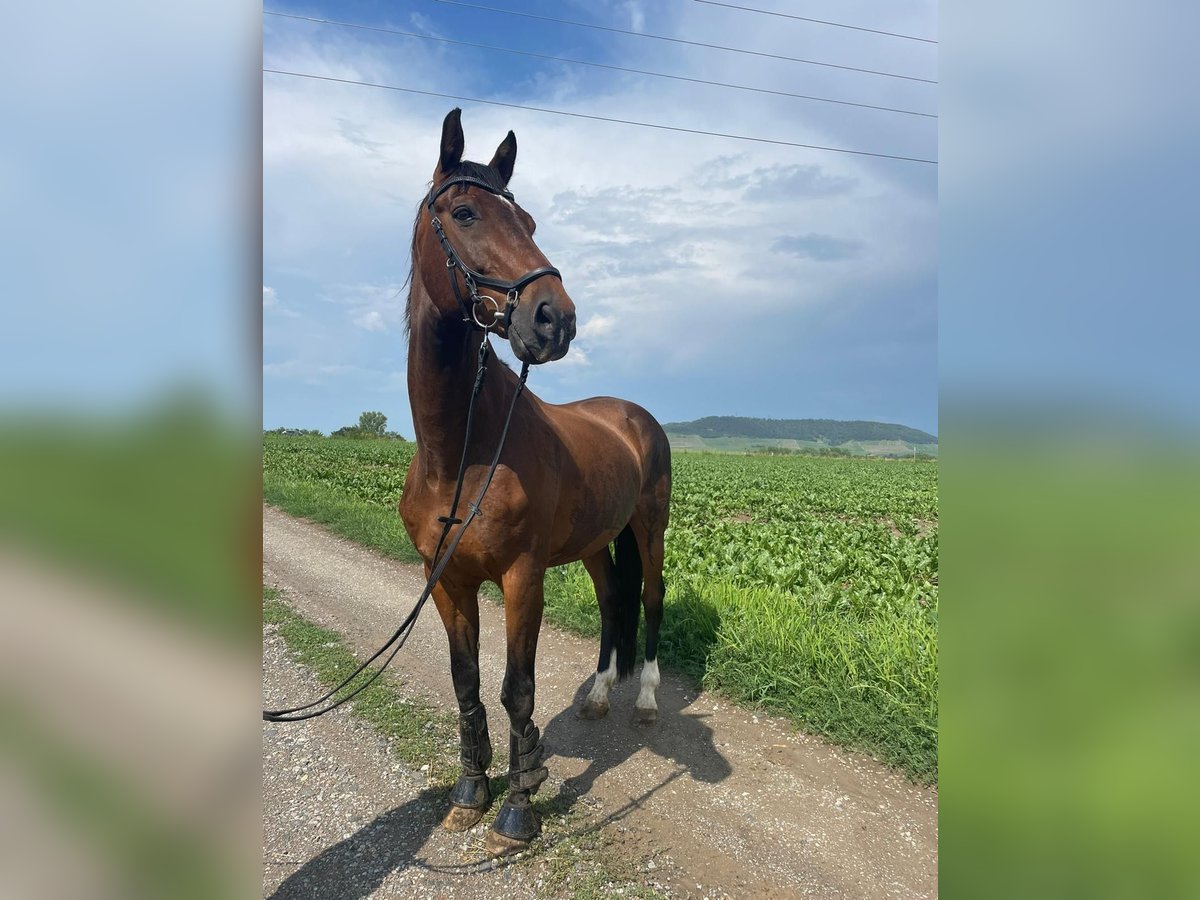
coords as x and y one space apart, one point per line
463 214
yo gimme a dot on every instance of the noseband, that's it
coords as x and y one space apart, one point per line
474 300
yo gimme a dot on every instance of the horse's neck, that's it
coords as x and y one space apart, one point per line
442 362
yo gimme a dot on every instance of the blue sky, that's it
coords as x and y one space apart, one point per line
711 277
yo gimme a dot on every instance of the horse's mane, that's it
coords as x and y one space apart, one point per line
488 176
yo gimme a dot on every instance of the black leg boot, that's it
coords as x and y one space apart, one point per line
516 820
472 795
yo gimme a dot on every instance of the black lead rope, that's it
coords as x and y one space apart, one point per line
398 638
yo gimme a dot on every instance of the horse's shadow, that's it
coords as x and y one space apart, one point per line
357 866
679 737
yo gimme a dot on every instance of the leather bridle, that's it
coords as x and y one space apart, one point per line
475 302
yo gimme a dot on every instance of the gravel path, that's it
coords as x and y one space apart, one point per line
713 800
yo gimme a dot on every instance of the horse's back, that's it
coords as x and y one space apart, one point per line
603 425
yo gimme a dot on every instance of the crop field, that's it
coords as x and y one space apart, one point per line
806 586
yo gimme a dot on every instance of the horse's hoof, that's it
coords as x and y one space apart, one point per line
644 716
460 818
515 826
500 845
592 710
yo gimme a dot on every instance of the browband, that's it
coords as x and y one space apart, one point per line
434 193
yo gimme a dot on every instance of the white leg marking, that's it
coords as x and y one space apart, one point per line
650 680
604 681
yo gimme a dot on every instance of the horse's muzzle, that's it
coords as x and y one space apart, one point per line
542 328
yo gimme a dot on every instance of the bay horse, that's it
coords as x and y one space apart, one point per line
573 479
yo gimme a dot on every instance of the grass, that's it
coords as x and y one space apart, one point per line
869 684
576 860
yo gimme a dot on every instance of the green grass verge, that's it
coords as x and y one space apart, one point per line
869 684
576 861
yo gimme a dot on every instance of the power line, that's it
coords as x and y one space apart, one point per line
576 115
659 37
771 12
582 62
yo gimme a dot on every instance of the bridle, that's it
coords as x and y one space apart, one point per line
474 301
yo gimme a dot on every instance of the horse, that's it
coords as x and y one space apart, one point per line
572 479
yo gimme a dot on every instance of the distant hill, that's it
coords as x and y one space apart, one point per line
743 433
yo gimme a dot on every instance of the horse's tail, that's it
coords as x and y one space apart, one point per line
629 600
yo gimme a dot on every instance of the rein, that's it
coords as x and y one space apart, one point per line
473 279
474 300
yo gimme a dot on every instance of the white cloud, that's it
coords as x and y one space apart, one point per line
596 327
274 307
371 307
637 18
577 357
371 320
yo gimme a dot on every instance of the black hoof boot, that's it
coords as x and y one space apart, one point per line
517 821
472 792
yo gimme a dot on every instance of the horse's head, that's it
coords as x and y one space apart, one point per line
485 240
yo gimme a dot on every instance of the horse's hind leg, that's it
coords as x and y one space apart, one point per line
517 824
603 571
649 525
458 605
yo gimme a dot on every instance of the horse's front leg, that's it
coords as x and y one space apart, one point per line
517 824
458 605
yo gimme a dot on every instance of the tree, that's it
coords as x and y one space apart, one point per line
372 424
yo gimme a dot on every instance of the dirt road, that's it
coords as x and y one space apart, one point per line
726 802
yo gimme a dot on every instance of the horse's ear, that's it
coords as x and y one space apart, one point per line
452 142
505 158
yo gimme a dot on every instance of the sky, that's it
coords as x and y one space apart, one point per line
123 184
711 276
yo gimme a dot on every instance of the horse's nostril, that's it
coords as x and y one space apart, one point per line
542 315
